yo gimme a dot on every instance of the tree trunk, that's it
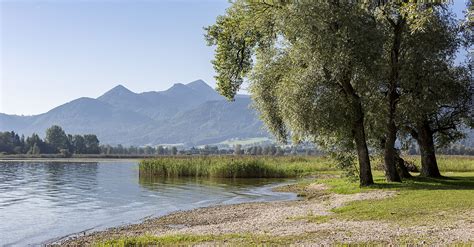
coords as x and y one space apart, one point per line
365 172
358 133
402 169
429 165
390 155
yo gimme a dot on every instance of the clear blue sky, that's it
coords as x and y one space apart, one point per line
53 51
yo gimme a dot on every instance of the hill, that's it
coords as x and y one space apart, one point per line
193 114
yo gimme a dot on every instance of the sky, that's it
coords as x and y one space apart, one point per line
54 51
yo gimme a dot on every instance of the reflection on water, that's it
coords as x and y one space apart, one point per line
156 183
43 201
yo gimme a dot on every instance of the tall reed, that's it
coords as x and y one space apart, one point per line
234 166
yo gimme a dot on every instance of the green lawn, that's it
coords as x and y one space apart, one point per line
419 200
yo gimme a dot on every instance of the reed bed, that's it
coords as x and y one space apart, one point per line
235 166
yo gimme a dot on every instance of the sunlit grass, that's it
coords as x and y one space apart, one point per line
242 239
453 163
420 201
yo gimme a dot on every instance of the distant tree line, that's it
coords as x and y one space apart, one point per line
133 150
55 142
269 150
457 150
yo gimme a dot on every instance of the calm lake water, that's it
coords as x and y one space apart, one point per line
40 202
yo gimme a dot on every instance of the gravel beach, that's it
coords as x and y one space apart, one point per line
290 219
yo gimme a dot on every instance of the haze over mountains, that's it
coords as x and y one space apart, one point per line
191 114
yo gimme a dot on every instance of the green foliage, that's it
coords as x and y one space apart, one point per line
56 142
91 144
10 142
79 144
302 51
345 161
321 71
234 167
434 90
56 138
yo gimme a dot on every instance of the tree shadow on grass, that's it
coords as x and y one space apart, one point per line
424 183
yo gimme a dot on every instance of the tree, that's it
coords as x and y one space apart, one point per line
438 94
35 145
174 150
148 150
307 54
237 149
34 149
10 142
56 138
160 150
91 144
79 144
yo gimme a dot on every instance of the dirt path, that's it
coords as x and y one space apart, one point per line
291 219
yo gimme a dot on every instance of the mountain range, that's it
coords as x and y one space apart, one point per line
189 114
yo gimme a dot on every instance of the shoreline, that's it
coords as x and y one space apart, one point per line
70 160
304 222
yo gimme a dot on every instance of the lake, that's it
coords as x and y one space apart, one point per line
44 201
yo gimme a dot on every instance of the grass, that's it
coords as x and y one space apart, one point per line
235 166
448 163
217 240
268 167
420 201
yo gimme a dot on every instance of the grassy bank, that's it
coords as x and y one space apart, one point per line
420 201
235 167
246 239
448 163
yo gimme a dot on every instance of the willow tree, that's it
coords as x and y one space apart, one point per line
437 94
311 67
411 28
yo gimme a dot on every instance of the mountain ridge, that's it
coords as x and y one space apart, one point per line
192 113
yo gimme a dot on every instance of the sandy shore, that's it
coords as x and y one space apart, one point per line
291 219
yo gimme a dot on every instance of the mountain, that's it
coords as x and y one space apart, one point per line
212 122
157 105
192 113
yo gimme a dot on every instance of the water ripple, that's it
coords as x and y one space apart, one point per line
41 201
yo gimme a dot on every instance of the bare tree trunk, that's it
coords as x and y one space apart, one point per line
390 155
365 172
429 164
358 133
